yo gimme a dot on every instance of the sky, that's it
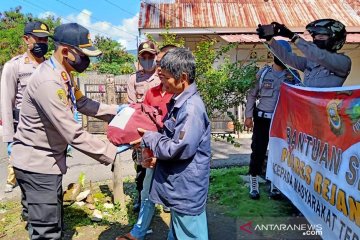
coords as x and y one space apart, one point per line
117 19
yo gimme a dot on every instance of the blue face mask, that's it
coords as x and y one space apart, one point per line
148 65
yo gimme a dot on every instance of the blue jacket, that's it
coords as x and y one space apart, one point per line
183 151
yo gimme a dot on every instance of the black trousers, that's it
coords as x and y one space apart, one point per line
42 201
140 174
260 141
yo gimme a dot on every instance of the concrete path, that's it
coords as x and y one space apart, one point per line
224 154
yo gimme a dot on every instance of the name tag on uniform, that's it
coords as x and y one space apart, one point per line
268 85
182 134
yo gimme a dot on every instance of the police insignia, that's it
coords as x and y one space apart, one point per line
62 96
290 77
43 27
146 45
182 134
27 60
64 76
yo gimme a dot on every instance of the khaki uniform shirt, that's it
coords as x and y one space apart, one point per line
14 78
47 124
139 83
321 68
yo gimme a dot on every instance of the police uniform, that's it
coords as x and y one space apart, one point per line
267 93
139 83
321 68
47 126
14 78
137 86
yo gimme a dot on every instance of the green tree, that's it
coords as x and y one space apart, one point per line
114 60
12 24
167 38
225 86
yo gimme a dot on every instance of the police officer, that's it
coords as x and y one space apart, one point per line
267 90
147 77
47 126
321 64
14 78
138 84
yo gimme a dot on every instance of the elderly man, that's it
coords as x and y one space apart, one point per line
138 84
182 150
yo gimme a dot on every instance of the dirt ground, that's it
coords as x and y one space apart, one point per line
216 220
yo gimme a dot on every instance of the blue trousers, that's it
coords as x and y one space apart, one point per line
187 227
147 208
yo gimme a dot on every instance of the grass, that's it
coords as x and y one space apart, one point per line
227 193
228 189
78 223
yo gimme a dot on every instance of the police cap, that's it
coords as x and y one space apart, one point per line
77 36
37 29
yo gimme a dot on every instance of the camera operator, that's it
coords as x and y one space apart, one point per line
321 64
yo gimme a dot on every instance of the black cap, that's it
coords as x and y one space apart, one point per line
147 46
77 36
38 29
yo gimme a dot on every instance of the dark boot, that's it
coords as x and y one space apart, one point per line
274 192
254 188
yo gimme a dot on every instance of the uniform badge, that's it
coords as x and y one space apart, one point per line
27 60
290 77
62 96
43 27
146 45
64 76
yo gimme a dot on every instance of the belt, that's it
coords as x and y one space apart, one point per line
264 114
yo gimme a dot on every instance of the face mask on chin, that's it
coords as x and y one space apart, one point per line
39 49
80 63
148 65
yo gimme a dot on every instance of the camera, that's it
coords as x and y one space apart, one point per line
268 30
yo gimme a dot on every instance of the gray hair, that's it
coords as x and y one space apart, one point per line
177 61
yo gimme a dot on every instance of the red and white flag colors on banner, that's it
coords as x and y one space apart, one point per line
314 156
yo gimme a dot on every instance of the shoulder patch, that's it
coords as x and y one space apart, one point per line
27 60
64 76
16 58
62 96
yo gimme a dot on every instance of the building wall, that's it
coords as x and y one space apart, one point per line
353 51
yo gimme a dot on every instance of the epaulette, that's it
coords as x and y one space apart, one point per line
15 58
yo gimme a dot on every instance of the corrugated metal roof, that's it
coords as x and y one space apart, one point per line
253 38
246 13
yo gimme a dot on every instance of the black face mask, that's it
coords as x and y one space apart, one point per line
322 44
80 63
278 62
39 49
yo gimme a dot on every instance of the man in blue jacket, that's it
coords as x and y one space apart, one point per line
182 151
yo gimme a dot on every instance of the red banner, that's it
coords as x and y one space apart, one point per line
314 156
